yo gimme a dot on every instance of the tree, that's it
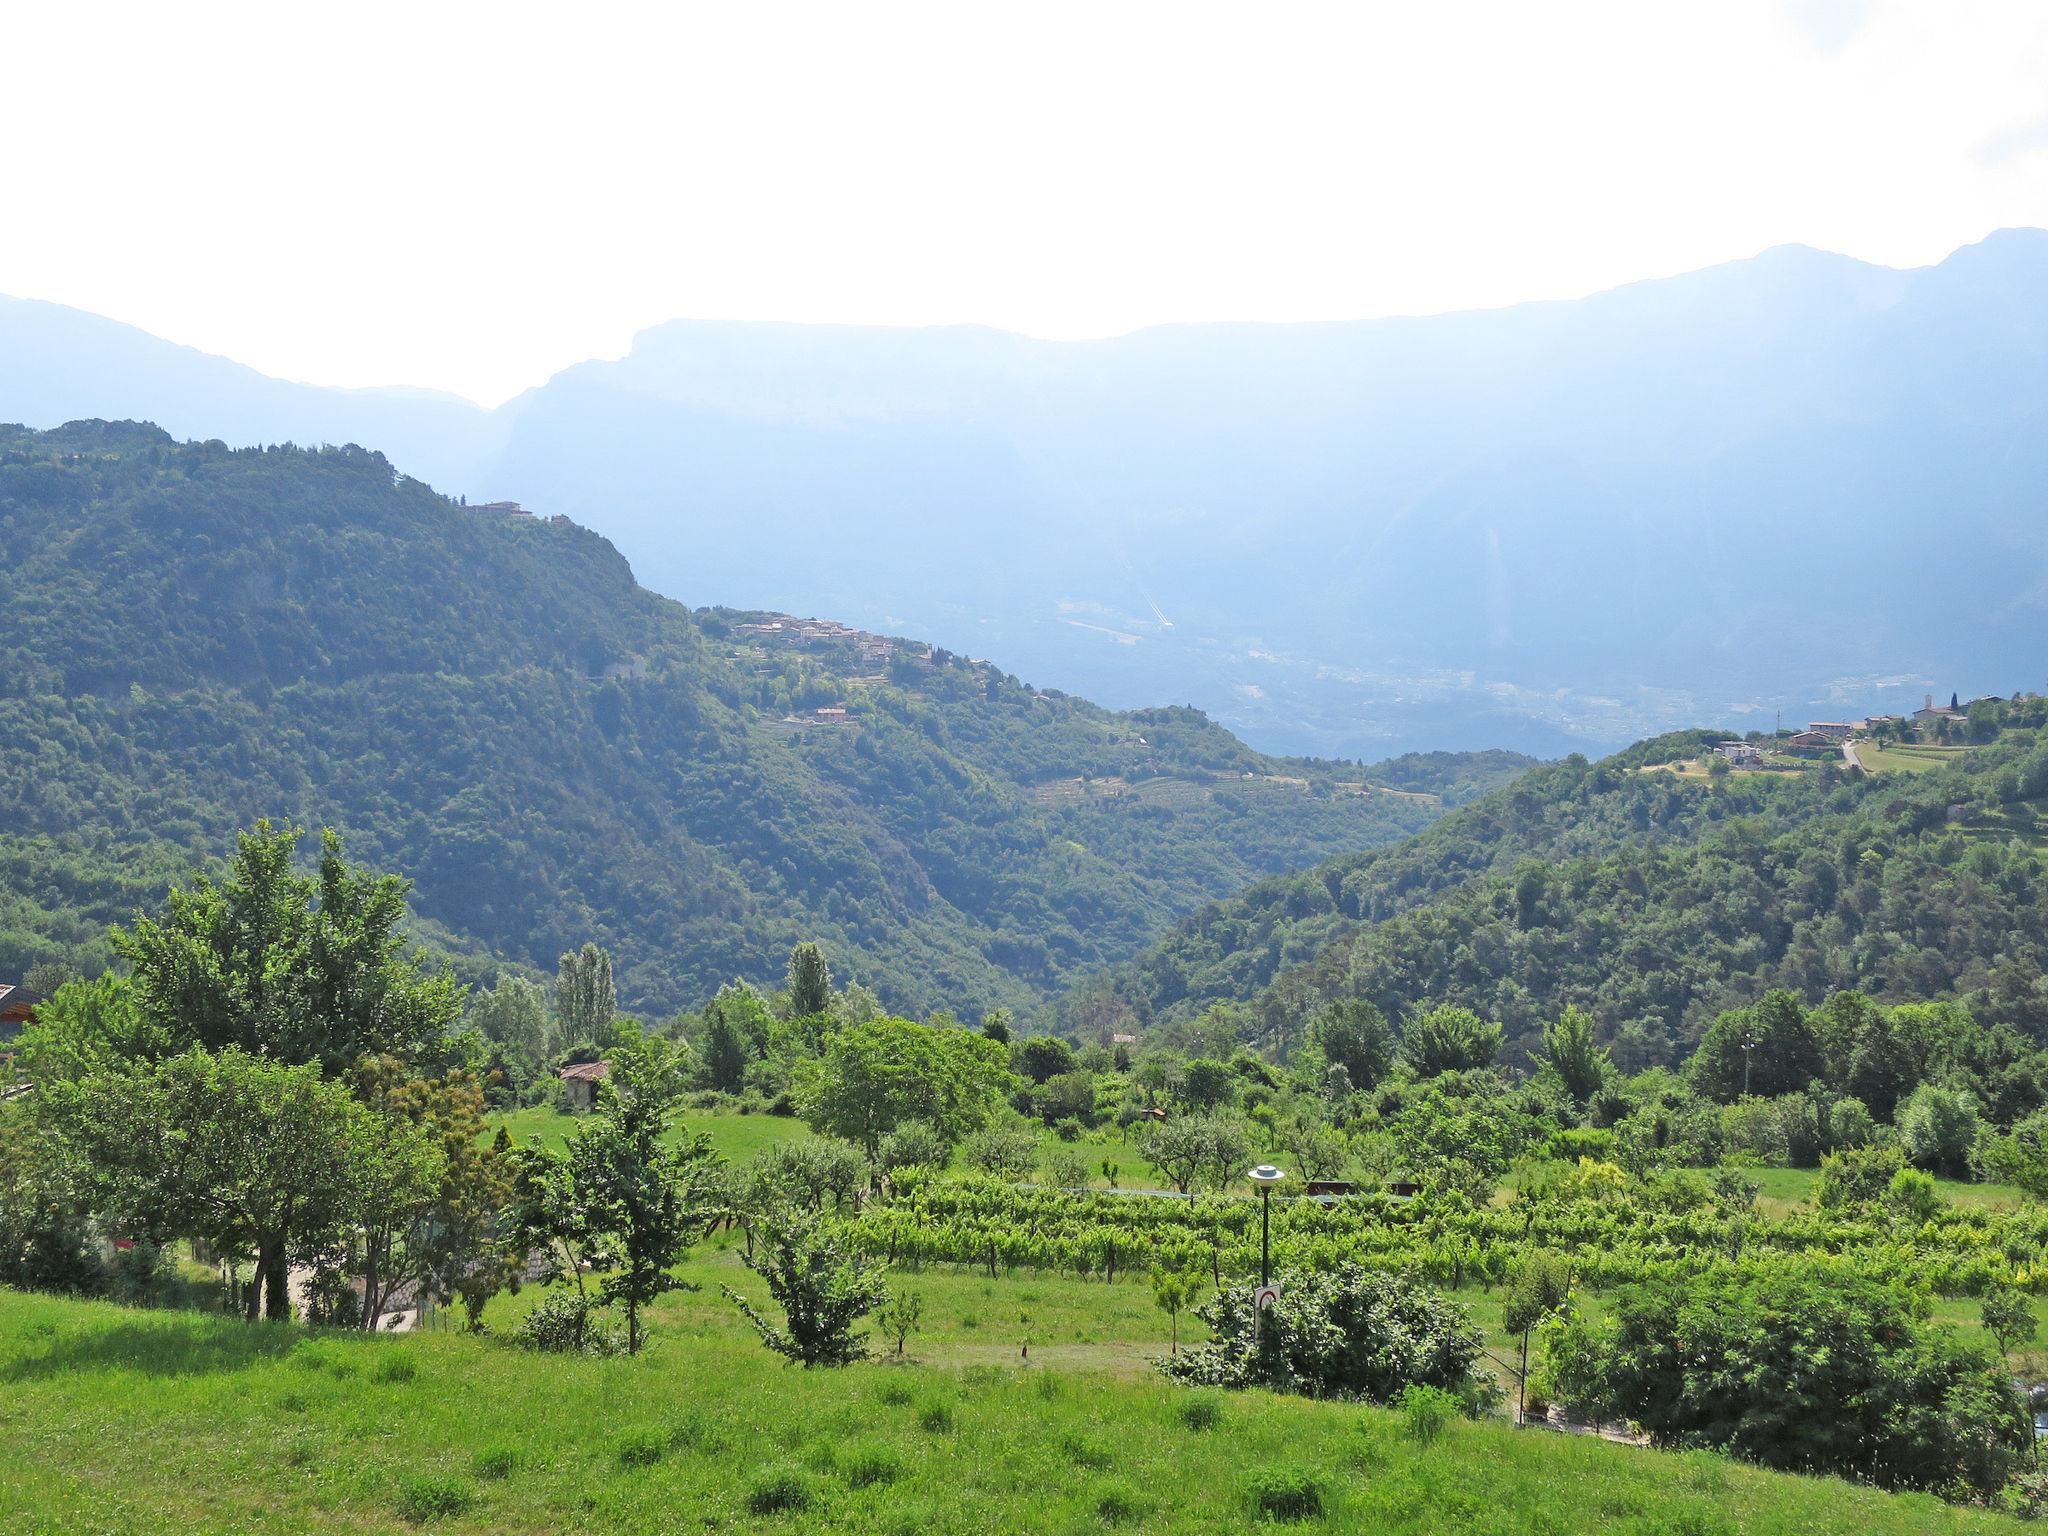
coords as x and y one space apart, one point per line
438 1236
584 999
1814 1368
1173 1292
1938 1128
2020 1156
1005 1151
874 1076
1207 1084
899 1317
725 1053
810 982
513 1017
1043 1057
1449 1039
1765 1050
1539 1284
823 1288
651 1197
1343 1332
1353 1034
247 1154
290 967
1195 1148
1572 1052
620 1199
2008 1316
1856 1177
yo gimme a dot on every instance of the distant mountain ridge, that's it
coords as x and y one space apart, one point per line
490 704
1777 483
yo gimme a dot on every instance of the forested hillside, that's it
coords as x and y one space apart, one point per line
1650 898
197 636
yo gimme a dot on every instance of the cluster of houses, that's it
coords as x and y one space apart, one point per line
1826 738
509 509
17 1012
874 650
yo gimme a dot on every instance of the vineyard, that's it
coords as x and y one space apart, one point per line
1446 1241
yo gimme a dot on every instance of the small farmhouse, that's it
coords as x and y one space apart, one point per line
579 1083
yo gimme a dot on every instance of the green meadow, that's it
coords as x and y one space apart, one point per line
1023 1405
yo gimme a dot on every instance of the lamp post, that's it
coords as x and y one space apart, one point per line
1265 1176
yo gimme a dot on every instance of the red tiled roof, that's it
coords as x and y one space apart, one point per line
585 1072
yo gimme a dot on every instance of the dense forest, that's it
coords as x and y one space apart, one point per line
1650 898
197 636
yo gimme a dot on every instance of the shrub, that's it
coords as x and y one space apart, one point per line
1083 1452
778 1489
495 1464
1285 1493
566 1323
395 1368
642 1447
1204 1410
864 1466
1119 1505
1347 1332
435 1498
1425 1411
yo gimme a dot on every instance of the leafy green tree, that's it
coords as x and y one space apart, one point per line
623 1198
1043 1057
1196 1148
585 1000
1007 1152
875 1076
725 1053
810 982
1570 1050
1764 1050
248 1154
1343 1332
1856 1177
913 1144
1353 1034
651 1195
1449 1039
1206 1084
292 967
822 1287
2008 1316
513 1017
1816 1369
899 1317
1539 1285
1912 1197
2020 1156
1938 1129
439 1235
1173 1292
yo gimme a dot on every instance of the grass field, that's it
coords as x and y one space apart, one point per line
1907 758
120 1421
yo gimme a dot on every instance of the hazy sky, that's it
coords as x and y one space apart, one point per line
470 197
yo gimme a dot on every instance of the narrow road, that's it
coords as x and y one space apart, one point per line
1849 756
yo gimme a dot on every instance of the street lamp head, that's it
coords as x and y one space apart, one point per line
1265 1175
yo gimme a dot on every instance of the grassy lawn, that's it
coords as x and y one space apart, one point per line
120 1421
1782 1190
736 1137
1909 758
